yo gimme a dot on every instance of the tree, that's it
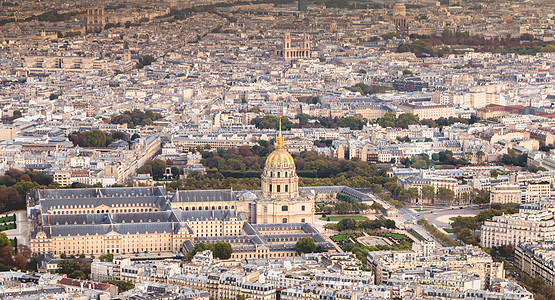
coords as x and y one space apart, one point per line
78 274
158 168
20 261
4 240
466 236
118 135
494 173
413 193
106 257
67 266
94 138
121 284
428 192
446 195
482 197
223 250
305 245
346 224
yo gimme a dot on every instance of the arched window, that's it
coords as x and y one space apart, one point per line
285 174
284 220
285 208
278 174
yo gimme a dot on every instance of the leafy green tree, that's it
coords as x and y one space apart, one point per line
94 138
346 224
466 236
428 192
78 274
446 195
121 284
351 122
106 257
388 120
482 197
305 245
223 250
391 35
272 122
67 266
4 240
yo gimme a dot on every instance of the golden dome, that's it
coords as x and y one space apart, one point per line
280 158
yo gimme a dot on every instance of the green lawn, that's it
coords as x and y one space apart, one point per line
6 219
339 218
7 227
340 237
396 236
452 218
448 230
421 210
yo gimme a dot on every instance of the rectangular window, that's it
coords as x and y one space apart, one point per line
278 188
287 188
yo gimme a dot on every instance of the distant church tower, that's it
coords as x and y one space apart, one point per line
288 52
303 5
95 19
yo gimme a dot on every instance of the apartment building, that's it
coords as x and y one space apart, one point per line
506 193
526 226
536 259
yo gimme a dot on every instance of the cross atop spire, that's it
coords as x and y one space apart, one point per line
280 145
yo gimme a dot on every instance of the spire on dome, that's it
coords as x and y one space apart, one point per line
280 145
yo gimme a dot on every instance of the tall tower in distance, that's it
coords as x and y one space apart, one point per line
302 5
95 19
399 9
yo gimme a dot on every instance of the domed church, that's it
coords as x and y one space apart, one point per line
279 200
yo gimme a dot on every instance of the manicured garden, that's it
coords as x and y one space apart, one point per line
421 210
341 237
7 219
7 227
7 223
339 218
396 236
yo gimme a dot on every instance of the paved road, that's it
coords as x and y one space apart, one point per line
22 230
439 216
